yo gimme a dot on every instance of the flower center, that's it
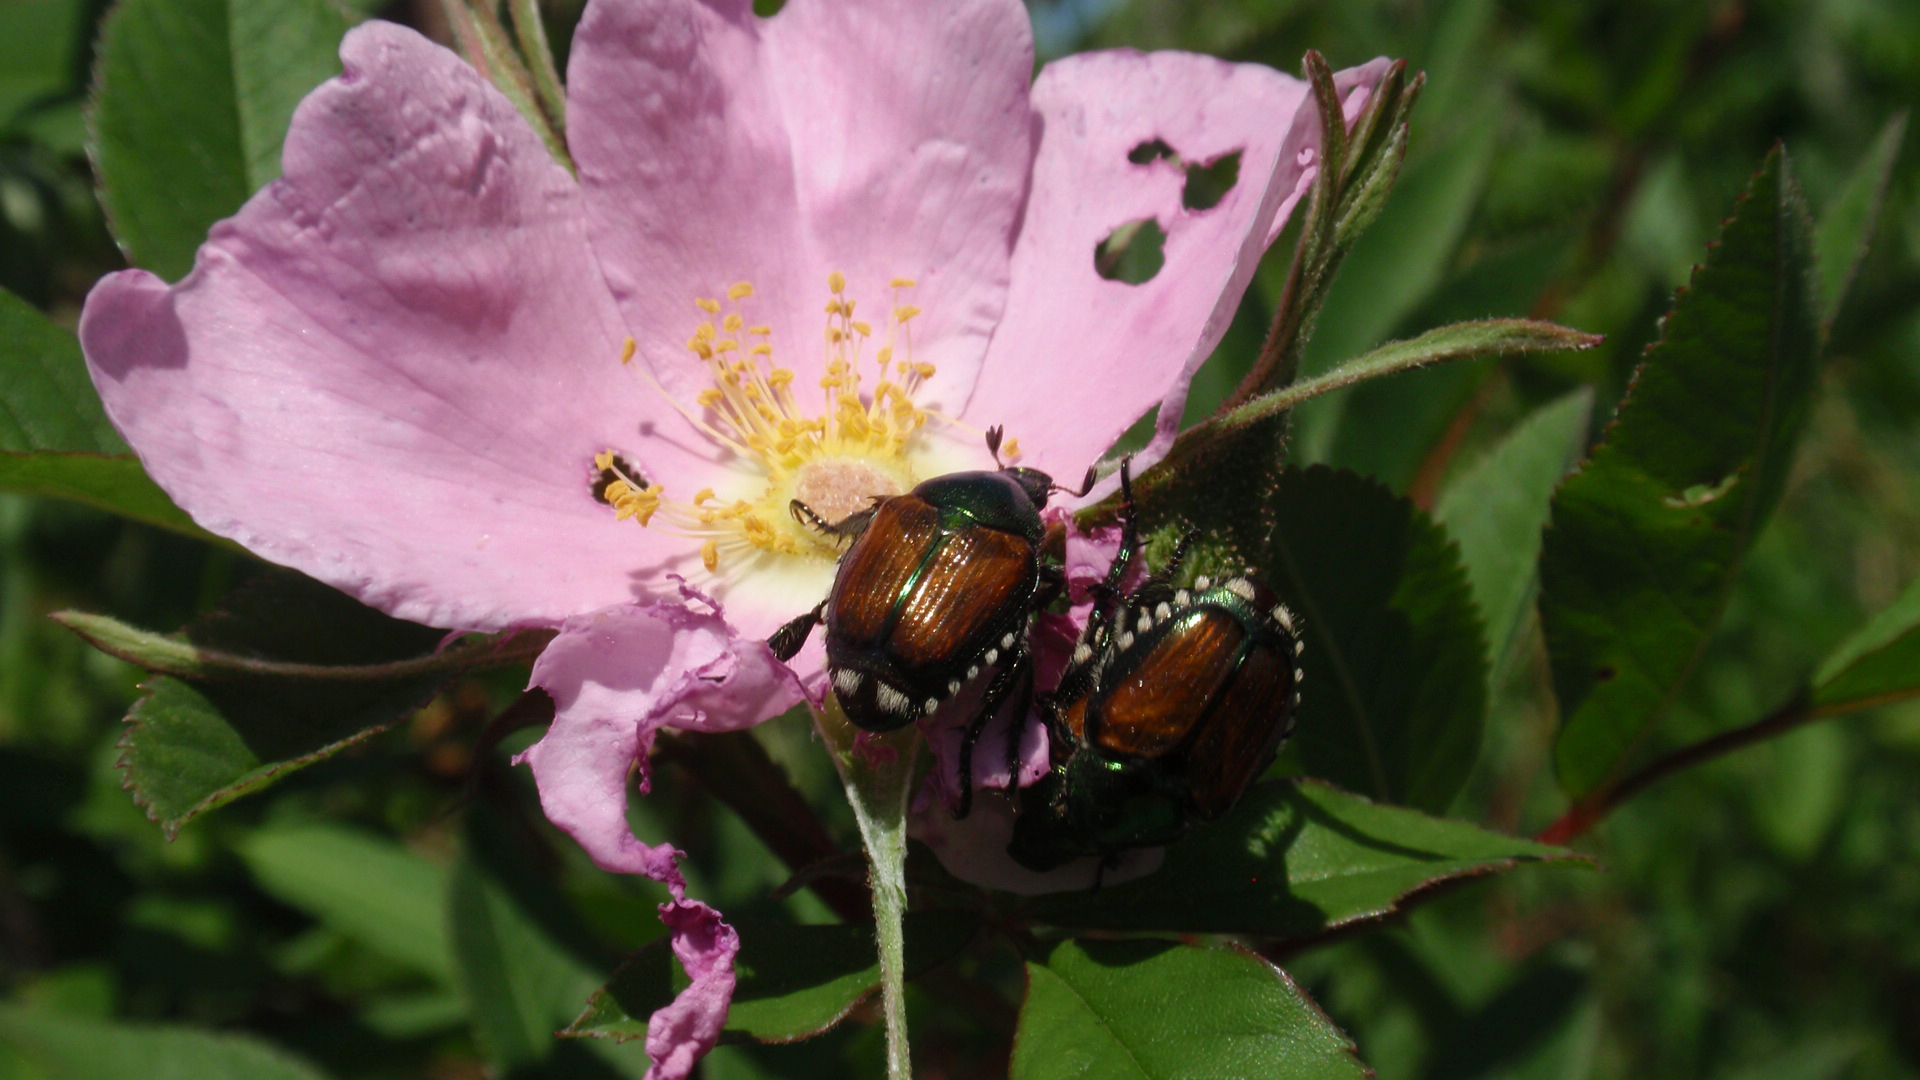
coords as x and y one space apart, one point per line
836 453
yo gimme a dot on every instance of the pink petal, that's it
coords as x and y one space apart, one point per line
617 676
1077 358
392 368
879 138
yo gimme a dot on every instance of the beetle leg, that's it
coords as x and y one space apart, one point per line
849 526
1010 673
787 640
1053 582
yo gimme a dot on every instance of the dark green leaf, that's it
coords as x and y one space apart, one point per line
1395 687
71 1048
39 44
367 888
114 483
525 962
1880 662
1395 656
1153 1010
1647 539
46 400
1496 510
191 748
1292 861
191 108
1848 226
795 981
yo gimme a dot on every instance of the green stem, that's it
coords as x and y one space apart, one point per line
879 782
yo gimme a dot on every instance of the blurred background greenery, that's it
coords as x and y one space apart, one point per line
1759 920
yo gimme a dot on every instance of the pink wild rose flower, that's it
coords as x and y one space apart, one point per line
808 256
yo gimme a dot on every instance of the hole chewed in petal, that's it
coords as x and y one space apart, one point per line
1150 151
1132 253
1209 183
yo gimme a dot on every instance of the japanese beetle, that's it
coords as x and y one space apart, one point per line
1173 701
936 587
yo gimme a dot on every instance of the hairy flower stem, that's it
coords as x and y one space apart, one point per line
878 773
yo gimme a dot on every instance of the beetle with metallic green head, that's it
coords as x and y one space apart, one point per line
1174 701
937 586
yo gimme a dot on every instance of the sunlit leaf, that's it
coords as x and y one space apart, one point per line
1647 539
1154 1010
1293 860
191 107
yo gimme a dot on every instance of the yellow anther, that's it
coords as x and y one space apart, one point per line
884 356
705 332
701 349
627 350
762 349
904 283
835 335
710 397
837 282
603 460
710 555
618 491
740 290
733 322
779 376
905 312
1011 448
725 345
863 329
702 495
711 307
924 370
760 331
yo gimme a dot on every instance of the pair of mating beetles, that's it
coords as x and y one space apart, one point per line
1174 698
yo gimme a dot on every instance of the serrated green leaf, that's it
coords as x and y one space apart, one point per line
526 963
1880 661
1847 229
1291 861
71 1048
363 886
1496 510
1395 689
191 107
190 748
1647 539
1153 1010
795 981
1395 658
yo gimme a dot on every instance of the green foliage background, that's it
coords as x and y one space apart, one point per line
1569 161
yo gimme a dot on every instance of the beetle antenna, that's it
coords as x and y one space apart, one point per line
1086 485
994 435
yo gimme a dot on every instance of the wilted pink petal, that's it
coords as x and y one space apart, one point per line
682 1032
391 369
616 677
